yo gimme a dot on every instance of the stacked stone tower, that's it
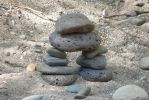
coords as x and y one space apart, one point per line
74 33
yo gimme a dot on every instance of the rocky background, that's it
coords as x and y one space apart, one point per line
25 26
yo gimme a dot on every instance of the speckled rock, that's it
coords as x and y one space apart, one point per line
73 23
130 92
96 75
60 80
92 53
58 70
36 97
98 62
144 63
145 27
75 42
56 53
53 61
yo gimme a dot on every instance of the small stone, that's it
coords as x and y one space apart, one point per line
22 36
36 97
75 42
60 80
96 75
144 63
31 67
83 93
98 62
130 92
81 90
53 61
133 20
74 88
56 53
74 23
38 49
145 27
58 70
92 53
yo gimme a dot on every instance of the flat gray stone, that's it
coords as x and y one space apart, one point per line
133 20
96 75
56 53
144 63
73 23
58 70
75 42
36 97
92 53
60 80
98 62
130 92
53 61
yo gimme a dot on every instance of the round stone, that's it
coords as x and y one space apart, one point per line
92 53
73 23
58 70
56 53
75 42
60 80
144 63
36 97
31 67
98 62
96 75
130 92
53 61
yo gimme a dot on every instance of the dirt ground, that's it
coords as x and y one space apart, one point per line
24 24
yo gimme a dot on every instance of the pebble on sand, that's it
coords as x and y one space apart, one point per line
31 67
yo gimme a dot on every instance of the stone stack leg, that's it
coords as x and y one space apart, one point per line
55 70
93 64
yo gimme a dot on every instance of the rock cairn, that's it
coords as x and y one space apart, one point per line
74 33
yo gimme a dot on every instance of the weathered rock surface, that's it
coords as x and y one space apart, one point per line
60 80
144 63
73 23
56 53
92 53
53 61
99 62
96 75
75 42
58 70
145 26
130 92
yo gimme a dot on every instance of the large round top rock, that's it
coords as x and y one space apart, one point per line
130 92
73 23
75 42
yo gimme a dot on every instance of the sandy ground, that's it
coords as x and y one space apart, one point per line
27 23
